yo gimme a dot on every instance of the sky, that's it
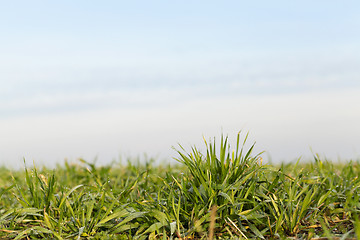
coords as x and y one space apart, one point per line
116 79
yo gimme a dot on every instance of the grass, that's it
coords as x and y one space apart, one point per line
222 193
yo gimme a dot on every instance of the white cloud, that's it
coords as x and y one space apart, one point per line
286 126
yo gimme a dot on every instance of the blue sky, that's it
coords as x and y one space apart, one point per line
90 78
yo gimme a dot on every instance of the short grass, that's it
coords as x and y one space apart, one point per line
222 193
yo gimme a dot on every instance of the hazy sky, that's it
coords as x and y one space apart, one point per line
103 78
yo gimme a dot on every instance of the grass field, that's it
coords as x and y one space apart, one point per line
222 193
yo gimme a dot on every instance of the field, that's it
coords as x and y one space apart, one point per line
221 193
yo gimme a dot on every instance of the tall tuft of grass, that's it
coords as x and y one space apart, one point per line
225 178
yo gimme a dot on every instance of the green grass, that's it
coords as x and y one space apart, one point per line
221 193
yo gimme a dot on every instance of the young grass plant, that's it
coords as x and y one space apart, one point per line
228 180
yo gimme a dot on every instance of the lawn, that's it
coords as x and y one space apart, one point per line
224 192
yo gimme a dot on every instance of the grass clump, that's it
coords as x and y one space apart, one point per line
221 193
